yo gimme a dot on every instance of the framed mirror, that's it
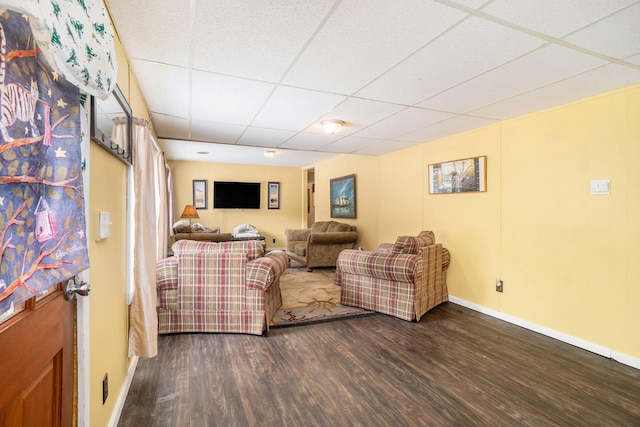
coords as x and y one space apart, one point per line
109 118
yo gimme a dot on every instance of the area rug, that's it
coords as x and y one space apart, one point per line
311 298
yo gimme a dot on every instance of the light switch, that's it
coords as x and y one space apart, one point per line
600 186
104 225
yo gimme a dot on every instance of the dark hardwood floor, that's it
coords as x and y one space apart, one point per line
456 367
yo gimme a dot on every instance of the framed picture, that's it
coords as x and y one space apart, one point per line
343 197
200 193
274 195
458 176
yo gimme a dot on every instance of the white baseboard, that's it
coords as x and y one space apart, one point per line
124 391
586 345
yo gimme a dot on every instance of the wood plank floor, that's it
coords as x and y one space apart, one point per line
456 367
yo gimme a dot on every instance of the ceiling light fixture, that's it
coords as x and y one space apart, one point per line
269 153
203 152
332 126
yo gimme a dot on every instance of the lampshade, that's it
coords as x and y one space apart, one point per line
190 212
332 126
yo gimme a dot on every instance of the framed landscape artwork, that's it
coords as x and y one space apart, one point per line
274 195
200 193
458 176
343 197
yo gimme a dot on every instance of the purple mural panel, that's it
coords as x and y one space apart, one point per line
42 224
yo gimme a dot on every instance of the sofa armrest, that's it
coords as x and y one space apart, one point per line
333 238
296 234
393 267
264 271
167 274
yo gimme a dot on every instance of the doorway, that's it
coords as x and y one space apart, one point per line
311 197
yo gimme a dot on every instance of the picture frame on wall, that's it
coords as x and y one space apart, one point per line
273 192
458 176
200 198
343 197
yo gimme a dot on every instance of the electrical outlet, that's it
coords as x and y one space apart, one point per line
274 240
499 285
105 388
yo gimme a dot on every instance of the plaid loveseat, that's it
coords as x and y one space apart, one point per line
405 279
219 287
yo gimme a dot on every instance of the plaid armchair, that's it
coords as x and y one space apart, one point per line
219 287
405 279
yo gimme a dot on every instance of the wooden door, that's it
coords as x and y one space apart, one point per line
36 364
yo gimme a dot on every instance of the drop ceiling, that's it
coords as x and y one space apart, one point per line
234 78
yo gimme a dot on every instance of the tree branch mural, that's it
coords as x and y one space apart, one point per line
42 222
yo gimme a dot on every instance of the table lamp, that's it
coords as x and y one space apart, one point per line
190 212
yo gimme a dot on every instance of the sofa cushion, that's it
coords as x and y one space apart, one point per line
405 245
300 248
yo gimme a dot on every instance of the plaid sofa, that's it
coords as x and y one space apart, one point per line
219 287
404 279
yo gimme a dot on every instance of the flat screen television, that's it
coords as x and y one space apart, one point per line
236 195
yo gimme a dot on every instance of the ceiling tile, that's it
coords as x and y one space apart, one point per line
215 132
543 66
254 39
444 128
384 147
170 127
350 144
264 137
222 99
588 84
165 87
553 17
295 109
406 120
163 35
357 114
617 36
462 53
345 54
309 141
633 59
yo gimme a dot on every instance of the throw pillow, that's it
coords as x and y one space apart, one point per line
405 245
182 226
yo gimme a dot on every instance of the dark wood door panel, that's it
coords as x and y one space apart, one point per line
37 364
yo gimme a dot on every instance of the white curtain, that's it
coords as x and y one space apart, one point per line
150 238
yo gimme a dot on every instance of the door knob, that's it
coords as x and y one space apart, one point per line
72 287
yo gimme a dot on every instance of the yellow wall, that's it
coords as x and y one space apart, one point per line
271 223
578 272
109 311
400 202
